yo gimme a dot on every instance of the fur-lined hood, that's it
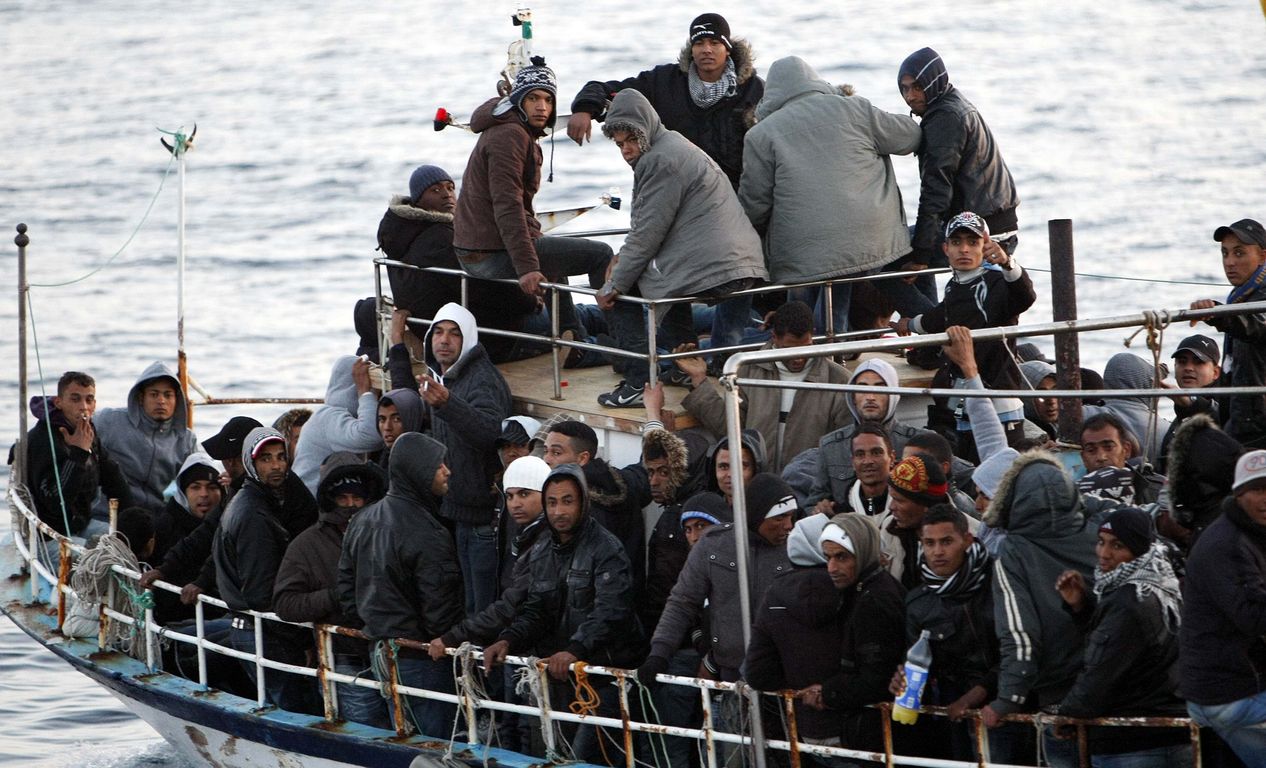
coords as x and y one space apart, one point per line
1201 467
665 442
740 53
401 207
1037 499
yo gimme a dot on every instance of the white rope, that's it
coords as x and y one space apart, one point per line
527 684
91 582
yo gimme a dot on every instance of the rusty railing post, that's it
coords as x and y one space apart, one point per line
1064 307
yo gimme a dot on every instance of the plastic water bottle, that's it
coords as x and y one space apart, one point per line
918 661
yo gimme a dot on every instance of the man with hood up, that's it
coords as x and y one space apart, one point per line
749 461
249 545
687 237
495 230
418 230
579 605
818 183
398 573
960 168
399 411
835 468
1201 472
306 588
468 399
198 498
1045 518
148 439
1126 370
708 95
348 422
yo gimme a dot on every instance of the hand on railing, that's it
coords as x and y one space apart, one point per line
694 367
1202 304
436 649
974 697
496 654
812 697
960 351
189 594
531 283
399 322
149 577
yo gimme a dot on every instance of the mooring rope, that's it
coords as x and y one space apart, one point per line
91 580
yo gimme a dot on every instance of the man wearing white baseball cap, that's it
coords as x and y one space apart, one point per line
1222 653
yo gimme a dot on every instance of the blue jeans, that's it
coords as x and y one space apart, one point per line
477 554
559 257
293 693
730 320
1174 756
1060 753
628 325
432 718
841 299
1241 724
357 704
678 705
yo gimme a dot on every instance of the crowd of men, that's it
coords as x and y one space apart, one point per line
1133 584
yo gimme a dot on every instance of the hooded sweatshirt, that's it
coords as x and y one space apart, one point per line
348 422
1047 533
960 165
176 521
503 173
409 405
809 137
470 422
148 452
688 233
1129 371
835 473
398 571
753 441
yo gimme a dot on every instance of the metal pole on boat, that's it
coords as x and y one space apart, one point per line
179 148
734 430
19 467
1064 307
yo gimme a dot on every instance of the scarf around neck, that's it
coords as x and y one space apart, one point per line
1150 574
964 582
1238 293
704 94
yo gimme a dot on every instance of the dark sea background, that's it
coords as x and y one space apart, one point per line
1141 120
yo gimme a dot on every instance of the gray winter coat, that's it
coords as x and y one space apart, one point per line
348 422
687 233
817 178
149 452
1047 534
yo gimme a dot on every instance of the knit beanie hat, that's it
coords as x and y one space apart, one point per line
423 178
531 78
195 472
707 506
988 476
1133 527
928 70
920 479
349 484
711 25
1109 483
768 496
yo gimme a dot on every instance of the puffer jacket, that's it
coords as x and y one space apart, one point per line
469 423
809 137
494 211
398 571
425 239
148 452
1045 519
960 166
580 597
1222 651
1245 343
718 130
688 233
812 415
347 422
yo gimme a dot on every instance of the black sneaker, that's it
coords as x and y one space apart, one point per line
674 377
623 396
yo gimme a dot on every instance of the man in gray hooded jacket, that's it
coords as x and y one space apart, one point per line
818 182
348 422
688 236
149 439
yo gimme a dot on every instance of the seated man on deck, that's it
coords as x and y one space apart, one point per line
688 237
495 230
225 447
148 438
65 462
418 230
791 421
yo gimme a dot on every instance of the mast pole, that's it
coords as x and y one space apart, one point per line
21 241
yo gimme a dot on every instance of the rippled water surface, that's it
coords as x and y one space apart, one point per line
1140 120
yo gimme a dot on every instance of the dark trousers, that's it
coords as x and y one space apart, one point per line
284 690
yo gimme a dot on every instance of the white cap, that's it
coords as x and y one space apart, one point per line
1249 470
525 472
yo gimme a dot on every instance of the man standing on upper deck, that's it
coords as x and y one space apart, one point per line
149 438
468 399
961 169
495 231
708 95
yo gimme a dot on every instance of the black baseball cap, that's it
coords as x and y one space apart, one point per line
227 443
1246 230
1202 347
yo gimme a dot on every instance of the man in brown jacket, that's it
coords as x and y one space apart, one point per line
495 230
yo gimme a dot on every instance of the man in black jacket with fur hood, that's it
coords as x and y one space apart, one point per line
708 95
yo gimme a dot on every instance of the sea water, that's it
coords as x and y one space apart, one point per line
1139 120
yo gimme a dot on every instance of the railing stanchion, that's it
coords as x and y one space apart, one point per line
652 349
261 696
33 548
885 718
547 719
554 348
397 710
326 663
1196 761
63 576
1064 307
200 628
709 745
982 741
151 641
622 682
828 302
793 729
